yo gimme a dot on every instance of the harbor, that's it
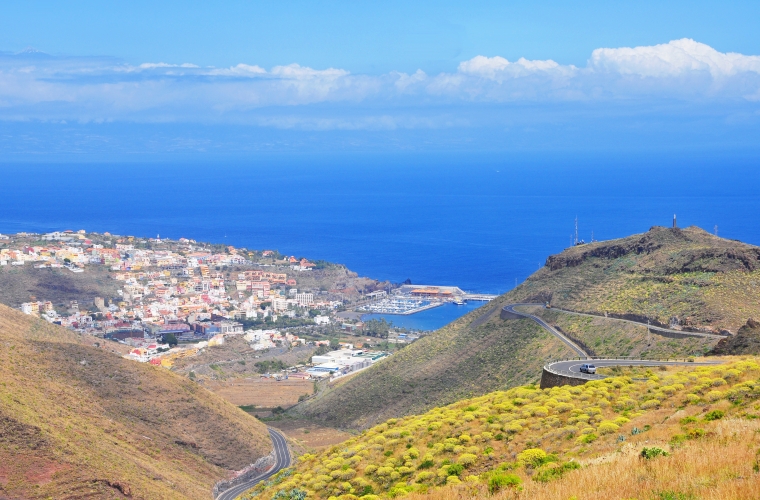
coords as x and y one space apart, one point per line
421 307
412 299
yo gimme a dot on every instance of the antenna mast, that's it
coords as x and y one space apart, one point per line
576 230
716 230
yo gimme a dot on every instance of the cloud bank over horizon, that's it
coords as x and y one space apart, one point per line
37 86
682 94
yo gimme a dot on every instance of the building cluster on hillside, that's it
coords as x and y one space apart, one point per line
196 294
178 290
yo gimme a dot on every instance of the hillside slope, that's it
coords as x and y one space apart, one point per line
686 273
477 353
704 282
746 341
681 432
78 421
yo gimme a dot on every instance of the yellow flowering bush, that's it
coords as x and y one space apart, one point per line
472 439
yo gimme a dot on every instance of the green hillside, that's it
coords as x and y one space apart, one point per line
705 282
78 421
682 432
685 273
477 353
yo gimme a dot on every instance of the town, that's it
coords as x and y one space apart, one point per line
173 299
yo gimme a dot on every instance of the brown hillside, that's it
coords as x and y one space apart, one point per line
77 421
746 341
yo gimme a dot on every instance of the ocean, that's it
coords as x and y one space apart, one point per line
481 222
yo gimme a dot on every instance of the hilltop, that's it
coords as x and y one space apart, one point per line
686 277
77 420
669 433
695 279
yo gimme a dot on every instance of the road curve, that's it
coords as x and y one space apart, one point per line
281 461
633 322
569 343
571 368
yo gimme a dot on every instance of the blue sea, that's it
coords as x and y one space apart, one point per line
481 222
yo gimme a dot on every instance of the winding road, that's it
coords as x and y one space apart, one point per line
572 368
282 460
569 343
651 327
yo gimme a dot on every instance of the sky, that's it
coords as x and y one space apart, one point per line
136 79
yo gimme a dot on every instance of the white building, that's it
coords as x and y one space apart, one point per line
322 320
305 299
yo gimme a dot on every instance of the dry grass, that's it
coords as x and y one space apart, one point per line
78 421
261 392
310 436
717 468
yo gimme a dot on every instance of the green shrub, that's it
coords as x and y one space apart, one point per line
714 415
549 473
650 453
695 433
688 420
456 469
677 440
426 464
498 482
587 438
673 495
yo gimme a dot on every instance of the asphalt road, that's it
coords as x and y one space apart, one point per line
281 461
651 327
569 343
572 368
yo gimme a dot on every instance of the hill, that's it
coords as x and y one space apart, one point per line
686 274
682 276
746 341
473 355
79 421
673 433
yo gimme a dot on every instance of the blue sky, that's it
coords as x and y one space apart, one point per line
88 78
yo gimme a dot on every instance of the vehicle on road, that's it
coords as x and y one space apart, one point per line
588 368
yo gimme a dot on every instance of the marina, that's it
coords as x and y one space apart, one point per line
399 306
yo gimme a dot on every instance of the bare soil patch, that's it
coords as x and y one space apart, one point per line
309 435
261 392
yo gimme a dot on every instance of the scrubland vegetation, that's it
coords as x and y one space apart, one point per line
457 361
675 433
610 338
706 282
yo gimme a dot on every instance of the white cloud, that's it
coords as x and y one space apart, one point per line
497 68
35 86
676 58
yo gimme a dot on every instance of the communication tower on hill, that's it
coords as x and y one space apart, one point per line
716 230
674 221
575 242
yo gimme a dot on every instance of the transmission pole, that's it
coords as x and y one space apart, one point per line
576 229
